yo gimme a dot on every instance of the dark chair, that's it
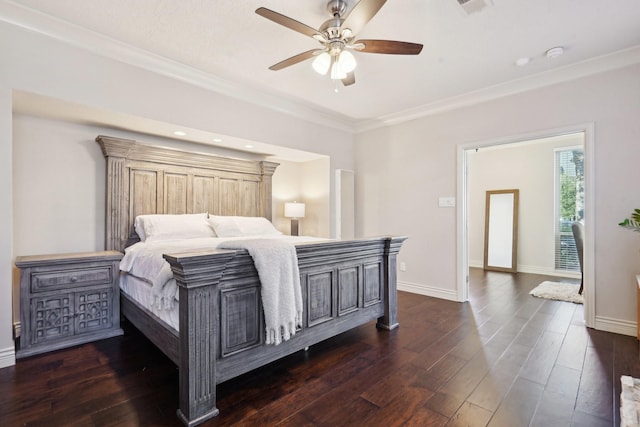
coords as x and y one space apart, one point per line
578 235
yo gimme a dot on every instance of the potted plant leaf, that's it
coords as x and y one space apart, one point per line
633 222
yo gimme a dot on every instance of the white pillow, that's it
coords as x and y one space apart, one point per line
237 226
169 227
138 225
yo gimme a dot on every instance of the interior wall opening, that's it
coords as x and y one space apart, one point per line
551 170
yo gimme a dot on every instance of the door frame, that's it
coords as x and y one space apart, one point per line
462 256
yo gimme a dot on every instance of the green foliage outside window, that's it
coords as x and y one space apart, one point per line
571 188
567 196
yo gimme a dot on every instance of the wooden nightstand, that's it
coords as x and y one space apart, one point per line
68 299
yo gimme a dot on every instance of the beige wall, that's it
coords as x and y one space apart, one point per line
7 356
316 178
403 169
37 64
308 183
530 167
58 173
286 187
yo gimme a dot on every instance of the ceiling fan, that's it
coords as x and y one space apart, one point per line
337 37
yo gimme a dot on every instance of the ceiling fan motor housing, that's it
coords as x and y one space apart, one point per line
336 7
331 28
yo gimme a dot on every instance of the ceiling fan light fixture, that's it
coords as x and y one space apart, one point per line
337 73
347 61
338 34
322 63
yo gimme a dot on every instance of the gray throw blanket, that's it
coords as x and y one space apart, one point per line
277 265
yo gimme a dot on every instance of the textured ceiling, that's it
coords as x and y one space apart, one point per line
463 53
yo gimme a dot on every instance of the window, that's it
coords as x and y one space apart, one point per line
569 205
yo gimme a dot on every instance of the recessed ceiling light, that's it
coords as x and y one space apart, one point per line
521 62
217 139
554 52
180 133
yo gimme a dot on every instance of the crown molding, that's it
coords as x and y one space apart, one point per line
38 22
612 61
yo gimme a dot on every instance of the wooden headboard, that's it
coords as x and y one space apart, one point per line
144 179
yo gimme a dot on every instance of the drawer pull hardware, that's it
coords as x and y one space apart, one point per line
74 279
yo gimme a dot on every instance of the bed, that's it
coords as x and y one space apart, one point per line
220 333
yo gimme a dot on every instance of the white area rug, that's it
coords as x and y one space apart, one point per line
558 291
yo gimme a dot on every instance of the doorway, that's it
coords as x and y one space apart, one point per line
468 220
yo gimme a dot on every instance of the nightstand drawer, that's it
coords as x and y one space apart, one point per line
61 279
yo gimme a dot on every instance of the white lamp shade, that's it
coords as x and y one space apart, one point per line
294 210
337 73
347 61
321 63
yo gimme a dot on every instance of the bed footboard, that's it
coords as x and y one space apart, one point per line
345 284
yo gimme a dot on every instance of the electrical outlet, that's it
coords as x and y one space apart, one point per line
16 330
403 266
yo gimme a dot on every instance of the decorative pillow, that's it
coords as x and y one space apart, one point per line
237 226
170 227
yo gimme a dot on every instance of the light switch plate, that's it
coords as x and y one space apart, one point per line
447 202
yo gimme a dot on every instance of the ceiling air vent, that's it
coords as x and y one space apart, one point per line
472 6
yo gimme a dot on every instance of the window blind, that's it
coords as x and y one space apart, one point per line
569 205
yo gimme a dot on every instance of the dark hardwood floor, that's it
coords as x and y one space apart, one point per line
504 359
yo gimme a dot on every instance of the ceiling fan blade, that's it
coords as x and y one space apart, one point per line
388 46
295 59
350 79
361 14
290 23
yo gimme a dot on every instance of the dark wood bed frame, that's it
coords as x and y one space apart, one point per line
345 284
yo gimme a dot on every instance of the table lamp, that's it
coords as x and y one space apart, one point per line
295 211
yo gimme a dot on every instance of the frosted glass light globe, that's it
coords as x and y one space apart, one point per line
321 63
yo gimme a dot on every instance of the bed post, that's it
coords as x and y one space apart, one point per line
116 150
266 171
198 275
392 246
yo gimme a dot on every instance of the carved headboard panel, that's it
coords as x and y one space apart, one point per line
144 179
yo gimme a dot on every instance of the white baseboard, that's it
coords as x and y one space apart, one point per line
547 271
430 291
617 326
533 270
7 357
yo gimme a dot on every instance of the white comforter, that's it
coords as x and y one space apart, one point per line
144 260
